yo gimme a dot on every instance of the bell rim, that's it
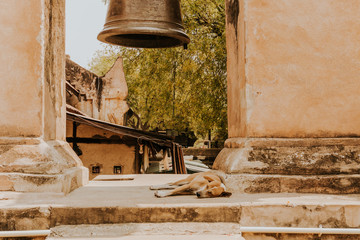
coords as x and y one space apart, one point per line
172 33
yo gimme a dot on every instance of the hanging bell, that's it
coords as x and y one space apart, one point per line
144 24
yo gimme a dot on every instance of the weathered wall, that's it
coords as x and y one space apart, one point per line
104 155
294 68
54 70
105 96
31 56
82 79
115 94
21 48
235 45
107 156
293 96
33 154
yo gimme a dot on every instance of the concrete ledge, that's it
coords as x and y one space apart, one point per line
147 231
19 141
35 165
131 201
267 215
154 214
323 184
314 156
290 142
274 236
36 156
159 237
174 231
24 218
65 182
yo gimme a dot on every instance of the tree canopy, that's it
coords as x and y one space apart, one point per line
175 88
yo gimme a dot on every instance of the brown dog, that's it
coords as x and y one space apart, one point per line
203 185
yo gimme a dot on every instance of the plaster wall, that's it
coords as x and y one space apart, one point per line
22 48
293 68
104 155
31 58
54 70
33 154
293 96
105 95
107 156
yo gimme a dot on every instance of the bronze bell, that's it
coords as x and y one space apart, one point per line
144 24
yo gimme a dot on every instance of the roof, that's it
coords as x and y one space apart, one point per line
158 139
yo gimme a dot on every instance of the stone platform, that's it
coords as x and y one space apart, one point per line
128 200
291 165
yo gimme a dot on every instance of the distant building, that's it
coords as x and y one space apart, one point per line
103 98
96 113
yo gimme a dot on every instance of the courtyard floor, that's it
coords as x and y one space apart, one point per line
127 199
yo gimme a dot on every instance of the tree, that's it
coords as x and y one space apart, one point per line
176 88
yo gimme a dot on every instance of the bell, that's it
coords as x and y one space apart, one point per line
144 24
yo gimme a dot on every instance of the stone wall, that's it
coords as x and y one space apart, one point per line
33 153
293 96
22 52
293 68
105 96
104 155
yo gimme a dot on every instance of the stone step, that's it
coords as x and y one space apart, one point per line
159 237
267 210
151 213
176 231
290 156
132 202
268 183
158 231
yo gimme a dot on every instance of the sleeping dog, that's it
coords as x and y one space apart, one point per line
203 185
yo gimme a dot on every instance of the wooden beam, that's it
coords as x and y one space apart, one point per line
100 141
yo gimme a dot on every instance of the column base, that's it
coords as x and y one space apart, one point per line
320 184
34 165
312 165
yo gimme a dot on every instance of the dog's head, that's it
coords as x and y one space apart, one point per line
213 189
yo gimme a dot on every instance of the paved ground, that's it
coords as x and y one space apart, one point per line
130 201
136 193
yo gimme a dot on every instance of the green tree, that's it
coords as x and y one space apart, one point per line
176 88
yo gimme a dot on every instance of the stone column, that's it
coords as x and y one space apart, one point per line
293 96
34 155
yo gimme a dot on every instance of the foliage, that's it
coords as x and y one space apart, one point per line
176 88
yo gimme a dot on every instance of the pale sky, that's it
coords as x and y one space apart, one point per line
84 20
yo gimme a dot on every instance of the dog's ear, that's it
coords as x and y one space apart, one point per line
225 194
210 179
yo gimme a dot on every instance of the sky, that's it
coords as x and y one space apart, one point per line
84 20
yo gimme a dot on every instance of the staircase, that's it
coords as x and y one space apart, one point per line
141 231
125 208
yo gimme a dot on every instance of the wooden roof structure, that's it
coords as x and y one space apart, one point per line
143 137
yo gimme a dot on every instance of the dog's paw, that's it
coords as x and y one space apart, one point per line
161 187
153 187
161 194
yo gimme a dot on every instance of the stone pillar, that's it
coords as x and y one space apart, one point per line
293 96
34 156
